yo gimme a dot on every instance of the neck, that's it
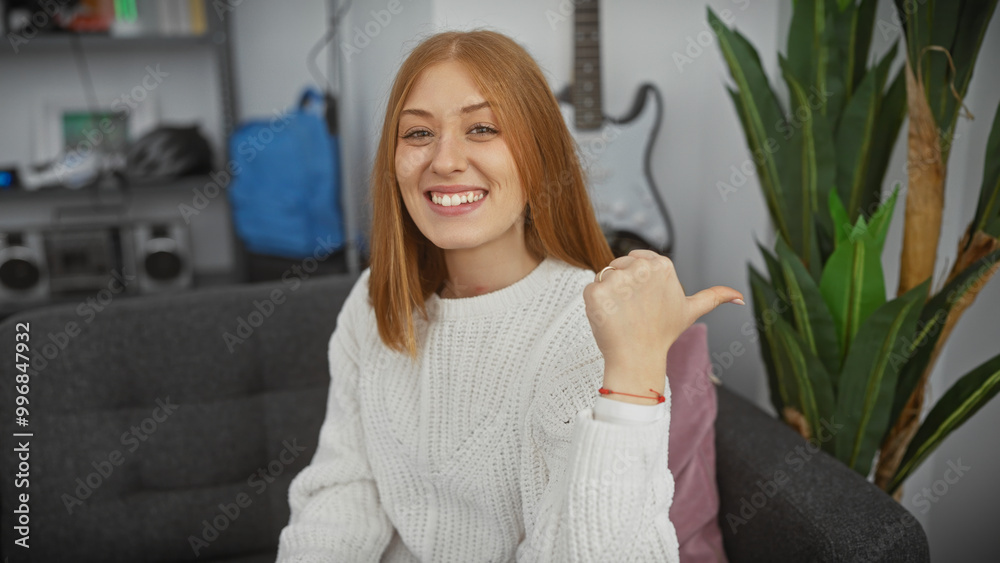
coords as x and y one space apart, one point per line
478 271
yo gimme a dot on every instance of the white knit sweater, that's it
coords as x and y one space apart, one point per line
493 446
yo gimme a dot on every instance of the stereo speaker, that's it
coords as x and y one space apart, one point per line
163 260
24 274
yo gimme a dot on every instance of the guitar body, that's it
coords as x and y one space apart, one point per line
616 161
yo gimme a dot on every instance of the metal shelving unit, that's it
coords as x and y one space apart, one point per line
22 210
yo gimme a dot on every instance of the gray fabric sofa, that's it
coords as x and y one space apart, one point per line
168 428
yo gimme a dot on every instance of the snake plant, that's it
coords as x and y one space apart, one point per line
839 353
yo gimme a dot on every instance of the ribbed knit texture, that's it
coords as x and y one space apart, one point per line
486 448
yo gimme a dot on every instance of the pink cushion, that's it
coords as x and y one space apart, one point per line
691 460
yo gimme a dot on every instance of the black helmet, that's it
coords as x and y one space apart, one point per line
166 153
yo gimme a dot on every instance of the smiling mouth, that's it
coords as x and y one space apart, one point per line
456 199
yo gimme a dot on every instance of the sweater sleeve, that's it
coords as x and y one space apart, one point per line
602 490
610 410
335 509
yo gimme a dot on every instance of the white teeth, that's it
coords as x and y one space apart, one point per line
456 199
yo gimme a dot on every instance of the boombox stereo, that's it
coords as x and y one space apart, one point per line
45 264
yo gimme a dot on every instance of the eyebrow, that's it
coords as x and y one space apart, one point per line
424 113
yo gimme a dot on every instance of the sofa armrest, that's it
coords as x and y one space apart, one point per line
783 499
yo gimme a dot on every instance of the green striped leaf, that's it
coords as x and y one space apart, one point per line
836 40
826 244
777 282
943 28
771 202
763 297
868 379
875 228
812 383
916 27
888 123
932 320
878 224
956 406
806 49
840 221
813 322
760 112
860 39
821 254
796 199
988 208
817 166
853 287
855 134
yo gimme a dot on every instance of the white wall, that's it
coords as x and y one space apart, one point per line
698 143
271 44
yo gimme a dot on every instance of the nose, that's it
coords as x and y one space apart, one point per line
449 156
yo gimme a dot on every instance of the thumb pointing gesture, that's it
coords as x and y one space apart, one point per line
638 309
706 300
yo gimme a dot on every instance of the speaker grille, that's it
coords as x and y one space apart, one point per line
19 274
162 265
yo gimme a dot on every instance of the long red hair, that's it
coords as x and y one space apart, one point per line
406 268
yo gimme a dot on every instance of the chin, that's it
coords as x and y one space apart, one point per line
449 243
456 238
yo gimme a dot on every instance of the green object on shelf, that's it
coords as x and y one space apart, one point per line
126 11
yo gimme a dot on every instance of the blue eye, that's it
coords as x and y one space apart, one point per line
418 134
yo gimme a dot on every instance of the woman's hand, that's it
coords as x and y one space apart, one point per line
637 311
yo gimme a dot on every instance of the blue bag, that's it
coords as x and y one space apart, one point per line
285 193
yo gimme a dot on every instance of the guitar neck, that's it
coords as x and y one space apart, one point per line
587 65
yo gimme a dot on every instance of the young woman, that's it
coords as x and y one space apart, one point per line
475 430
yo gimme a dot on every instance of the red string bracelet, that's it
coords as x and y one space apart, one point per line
659 398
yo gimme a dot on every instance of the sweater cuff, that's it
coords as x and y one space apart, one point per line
629 414
599 447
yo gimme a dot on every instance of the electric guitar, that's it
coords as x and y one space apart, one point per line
615 153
